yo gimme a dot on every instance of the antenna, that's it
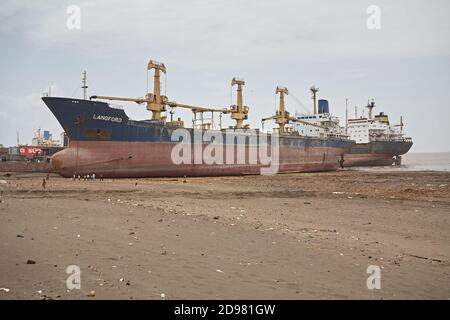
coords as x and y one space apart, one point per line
356 112
346 114
171 114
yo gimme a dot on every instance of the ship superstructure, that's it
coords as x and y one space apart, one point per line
377 141
321 122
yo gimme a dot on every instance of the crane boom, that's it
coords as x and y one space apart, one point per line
137 100
172 104
268 118
307 123
175 104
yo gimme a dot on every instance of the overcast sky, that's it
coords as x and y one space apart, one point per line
404 66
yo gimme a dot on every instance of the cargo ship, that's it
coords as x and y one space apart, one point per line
104 141
377 142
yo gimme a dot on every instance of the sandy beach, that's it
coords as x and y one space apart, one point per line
291 236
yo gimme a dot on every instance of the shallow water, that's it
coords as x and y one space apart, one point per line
439 161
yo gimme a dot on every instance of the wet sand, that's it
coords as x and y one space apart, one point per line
291 236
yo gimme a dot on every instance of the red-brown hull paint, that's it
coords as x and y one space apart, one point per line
149 159
368 159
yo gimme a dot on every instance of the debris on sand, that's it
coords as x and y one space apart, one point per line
19 236
426 258
4 289
29 261
91 294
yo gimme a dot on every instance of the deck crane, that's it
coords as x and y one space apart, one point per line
239 112
282 117
157 103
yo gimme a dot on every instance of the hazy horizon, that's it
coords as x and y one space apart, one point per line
404 65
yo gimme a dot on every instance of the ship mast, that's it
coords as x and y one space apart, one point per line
370 106
314 91
400 124
346 115
84 85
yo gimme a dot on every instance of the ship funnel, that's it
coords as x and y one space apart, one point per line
323 106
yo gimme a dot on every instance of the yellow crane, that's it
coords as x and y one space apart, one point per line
156 103
282 117
239 112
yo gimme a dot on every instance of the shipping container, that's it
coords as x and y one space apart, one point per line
31 151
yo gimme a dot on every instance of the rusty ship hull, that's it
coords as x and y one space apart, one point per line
105 142
377 153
